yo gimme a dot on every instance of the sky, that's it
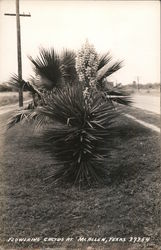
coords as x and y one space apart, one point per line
130 30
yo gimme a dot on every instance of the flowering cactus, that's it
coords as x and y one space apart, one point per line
87 64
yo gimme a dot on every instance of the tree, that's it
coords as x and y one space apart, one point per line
53 70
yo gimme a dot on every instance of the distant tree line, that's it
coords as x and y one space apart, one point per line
6 87
135 85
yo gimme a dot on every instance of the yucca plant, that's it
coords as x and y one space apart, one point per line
106 67
77 114
78 134
56 70
95 69
83 140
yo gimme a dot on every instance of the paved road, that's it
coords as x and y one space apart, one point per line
146 102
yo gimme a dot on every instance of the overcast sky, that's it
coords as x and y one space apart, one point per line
129 29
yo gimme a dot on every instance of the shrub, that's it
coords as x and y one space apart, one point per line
82 141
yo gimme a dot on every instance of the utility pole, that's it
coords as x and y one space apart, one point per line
138 82
19 59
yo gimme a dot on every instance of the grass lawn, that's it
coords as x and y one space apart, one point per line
127 205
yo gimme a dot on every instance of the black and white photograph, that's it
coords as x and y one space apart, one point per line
79 125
